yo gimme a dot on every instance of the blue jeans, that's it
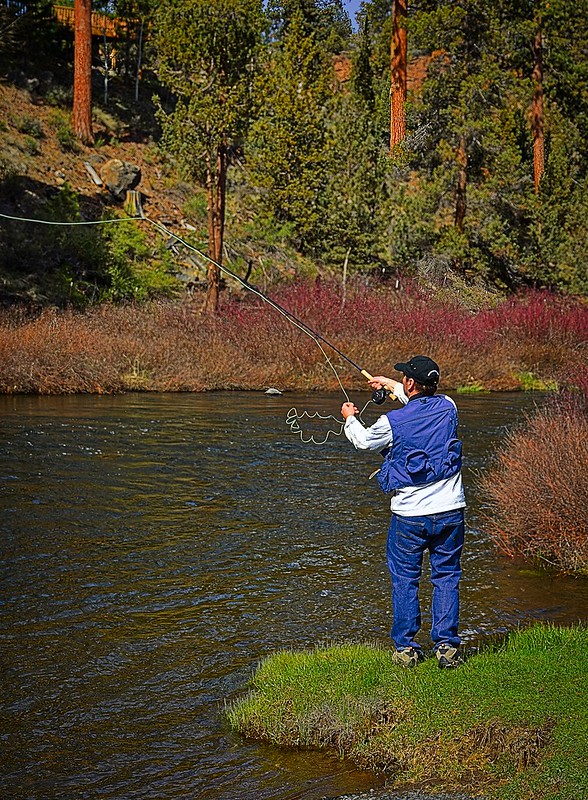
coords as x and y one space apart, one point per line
408 537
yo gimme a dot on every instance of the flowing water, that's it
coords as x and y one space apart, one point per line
155 547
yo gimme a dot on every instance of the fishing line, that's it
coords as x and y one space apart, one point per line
82 222
293 418
316 337
246 285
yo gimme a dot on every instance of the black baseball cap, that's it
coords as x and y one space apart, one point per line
422 369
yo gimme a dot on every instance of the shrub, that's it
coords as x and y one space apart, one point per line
81 264
66 138
32 127
133 272
173 346
59 96
536 491
49 264
30 146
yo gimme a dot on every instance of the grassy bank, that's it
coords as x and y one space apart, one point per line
517 343
512 722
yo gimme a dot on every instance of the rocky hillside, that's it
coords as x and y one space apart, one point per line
37 142
39 154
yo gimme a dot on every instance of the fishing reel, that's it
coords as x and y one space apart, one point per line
379 395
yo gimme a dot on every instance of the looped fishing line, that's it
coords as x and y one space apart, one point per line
293 417
293 422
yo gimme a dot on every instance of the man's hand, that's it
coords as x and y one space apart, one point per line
349 410
380 380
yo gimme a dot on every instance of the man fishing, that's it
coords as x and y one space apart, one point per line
422 469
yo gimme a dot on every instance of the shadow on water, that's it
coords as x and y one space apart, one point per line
155 547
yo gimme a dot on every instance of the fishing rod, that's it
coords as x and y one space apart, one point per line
378 396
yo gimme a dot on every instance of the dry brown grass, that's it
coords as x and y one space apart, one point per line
537 492
165 346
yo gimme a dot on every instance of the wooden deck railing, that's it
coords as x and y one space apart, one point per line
102 24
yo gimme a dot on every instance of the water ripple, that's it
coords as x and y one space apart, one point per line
154 548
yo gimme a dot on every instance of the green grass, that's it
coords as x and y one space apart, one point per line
472 388
531 383
511 722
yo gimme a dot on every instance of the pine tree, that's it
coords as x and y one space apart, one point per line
559 233
352 222
398 76
286 159
326 20
537 116
466 156
207 52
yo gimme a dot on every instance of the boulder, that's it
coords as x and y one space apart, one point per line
120 176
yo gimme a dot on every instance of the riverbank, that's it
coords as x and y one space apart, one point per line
512 722
518 343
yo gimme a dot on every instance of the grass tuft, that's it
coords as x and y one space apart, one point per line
472 388
531 383
511 722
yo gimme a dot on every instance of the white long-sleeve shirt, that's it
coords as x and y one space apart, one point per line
410 501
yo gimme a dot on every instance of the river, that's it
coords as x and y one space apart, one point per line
155 547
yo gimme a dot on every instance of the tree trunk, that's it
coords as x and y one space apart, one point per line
139 56
462 182
537 120
82 97
398 73
216 182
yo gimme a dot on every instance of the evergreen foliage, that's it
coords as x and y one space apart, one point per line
56 265
253 104
327 20
205 56
78 265
353 220
286 157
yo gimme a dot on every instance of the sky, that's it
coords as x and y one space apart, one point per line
352 7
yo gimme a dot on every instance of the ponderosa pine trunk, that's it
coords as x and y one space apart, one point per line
216 183
82 95
398 73
462 183
537 119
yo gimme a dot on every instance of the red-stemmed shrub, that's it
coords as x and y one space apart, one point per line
536 492
172 346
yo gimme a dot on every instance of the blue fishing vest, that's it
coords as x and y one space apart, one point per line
425 447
